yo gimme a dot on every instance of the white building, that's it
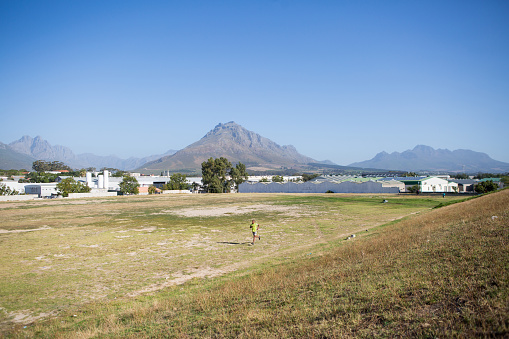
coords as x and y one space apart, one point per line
426 184
42 189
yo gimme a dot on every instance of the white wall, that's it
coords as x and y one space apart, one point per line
321 187
437 185
92 194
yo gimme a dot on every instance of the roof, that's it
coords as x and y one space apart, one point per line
463 181
406 180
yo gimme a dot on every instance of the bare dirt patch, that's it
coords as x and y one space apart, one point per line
234 210
29 230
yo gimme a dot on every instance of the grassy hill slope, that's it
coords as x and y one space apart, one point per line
435 274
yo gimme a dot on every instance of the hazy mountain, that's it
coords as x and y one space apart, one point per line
425 158
39 149
10 159
235 143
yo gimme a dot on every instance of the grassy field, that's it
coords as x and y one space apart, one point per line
116 267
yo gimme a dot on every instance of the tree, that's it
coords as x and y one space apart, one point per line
41 177
43 166
177 182
308 177
40 166
6 190
485 187
219 175
264 179
69 185
277 178
414 189
129 185
119 174
152 189
239 174
460 176
214 174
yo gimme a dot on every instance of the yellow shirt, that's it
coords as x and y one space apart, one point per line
254 227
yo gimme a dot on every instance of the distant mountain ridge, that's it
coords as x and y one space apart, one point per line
259 154
30 149
235 143
426 158
11 159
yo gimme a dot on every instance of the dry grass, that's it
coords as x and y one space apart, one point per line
443 273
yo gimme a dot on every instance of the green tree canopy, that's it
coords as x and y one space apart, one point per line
129 185
41 177
414 189
238 174
6 190
119 174
219 175
277 178
69 185
485 187
460 176
177 181
308 177
43 166
214 173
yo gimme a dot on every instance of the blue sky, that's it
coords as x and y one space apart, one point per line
339 80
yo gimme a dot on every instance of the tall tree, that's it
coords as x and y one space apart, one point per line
177 181
238 174
41 177
42 166
129 185
219 175
214 173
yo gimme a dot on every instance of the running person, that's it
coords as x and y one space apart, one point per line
254 228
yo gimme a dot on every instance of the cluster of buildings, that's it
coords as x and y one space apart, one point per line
101 185
106 185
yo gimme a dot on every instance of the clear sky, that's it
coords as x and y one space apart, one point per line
339 80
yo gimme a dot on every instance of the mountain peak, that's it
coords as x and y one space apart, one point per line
423 148
237 144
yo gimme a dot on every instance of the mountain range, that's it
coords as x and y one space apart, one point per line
23 152
258 153
426 158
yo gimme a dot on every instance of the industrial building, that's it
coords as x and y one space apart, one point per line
318 187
